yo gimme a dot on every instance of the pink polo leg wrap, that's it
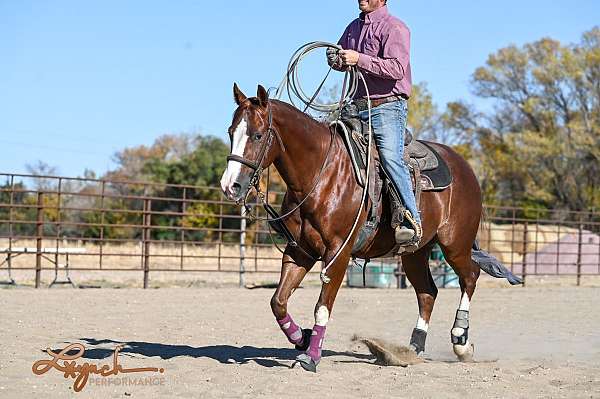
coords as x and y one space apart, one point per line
316 343
290 329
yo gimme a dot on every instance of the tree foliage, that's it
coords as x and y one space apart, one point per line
539 142
423 114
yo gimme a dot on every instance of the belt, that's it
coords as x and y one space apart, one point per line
362 103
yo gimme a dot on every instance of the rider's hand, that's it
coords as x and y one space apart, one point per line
349 57
334 60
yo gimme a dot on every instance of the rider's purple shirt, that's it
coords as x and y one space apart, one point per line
383 43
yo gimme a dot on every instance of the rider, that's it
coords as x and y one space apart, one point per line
378 43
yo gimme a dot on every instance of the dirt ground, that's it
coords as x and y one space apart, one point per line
223 342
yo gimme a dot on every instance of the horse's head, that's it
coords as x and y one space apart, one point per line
251 137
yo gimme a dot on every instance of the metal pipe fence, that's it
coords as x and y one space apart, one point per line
65 224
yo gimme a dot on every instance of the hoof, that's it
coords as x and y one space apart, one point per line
417 351
306 333
306 362
417 341
464 352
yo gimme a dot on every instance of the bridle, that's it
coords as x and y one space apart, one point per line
258 168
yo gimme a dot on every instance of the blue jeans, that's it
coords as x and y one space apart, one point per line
389 122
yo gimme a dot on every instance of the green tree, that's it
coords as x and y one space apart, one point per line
192 160
424 118
540 144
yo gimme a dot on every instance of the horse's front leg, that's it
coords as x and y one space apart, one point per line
292 274
311 358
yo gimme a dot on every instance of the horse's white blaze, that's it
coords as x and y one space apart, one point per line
233 169
322 316
422 324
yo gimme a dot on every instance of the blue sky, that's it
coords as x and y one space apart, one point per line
80 80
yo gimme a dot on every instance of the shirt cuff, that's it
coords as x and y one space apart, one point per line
364 62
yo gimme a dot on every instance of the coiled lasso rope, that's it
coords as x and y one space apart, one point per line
352 77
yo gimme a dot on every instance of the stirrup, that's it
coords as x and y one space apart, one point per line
417 227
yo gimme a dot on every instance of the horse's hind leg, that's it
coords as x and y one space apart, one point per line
416 267
291 276
468 273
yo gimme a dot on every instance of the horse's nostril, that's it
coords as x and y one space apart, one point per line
236 188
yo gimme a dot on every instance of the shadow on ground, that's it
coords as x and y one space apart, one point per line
226 354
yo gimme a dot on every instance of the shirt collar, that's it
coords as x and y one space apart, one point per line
374 16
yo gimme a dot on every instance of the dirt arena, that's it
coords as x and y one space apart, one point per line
223 342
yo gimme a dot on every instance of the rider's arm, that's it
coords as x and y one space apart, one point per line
396 55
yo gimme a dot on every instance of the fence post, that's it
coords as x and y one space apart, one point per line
39 229
512 241
397 271
102 220
10 229
147 219
182 231
242 245
524 252
579 244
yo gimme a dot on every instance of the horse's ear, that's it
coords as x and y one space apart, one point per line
238 96
263 96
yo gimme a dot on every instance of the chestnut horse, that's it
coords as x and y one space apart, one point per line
318 172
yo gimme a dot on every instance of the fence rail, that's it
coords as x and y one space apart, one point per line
53 222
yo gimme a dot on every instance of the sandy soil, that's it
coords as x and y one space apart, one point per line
530 342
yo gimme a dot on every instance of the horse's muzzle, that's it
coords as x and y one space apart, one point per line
233 191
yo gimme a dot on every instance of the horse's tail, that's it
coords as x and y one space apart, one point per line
492 266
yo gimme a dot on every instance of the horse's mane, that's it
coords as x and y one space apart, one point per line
310 119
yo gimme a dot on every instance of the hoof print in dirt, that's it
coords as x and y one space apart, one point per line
306 362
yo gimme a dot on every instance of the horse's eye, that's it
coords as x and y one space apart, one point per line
257 136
